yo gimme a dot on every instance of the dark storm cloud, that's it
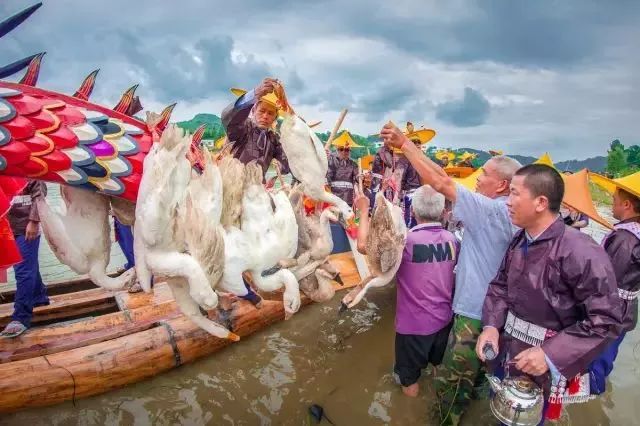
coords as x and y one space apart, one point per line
470 111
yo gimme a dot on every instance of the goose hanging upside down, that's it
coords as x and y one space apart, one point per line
307 157
382 241
313 270
270 227
178 232
80 238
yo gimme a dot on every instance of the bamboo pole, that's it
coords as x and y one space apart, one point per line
335 130
360 175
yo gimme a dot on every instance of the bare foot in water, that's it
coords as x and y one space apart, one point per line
411 390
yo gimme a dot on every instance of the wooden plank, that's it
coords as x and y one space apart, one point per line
161 294
121 361
8 291
85 371
65 306
65 336
345 263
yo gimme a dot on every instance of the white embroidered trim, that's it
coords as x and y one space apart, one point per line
524 331
628 295
342 184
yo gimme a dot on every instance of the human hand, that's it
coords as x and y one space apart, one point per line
393 136
33 230
265 87
489 336
532 361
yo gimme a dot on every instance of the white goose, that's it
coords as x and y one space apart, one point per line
272 237
80 238
314 271
307 157
176 213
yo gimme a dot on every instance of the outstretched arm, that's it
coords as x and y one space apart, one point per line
361 204
430 173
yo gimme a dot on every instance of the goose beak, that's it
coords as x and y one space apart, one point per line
343 308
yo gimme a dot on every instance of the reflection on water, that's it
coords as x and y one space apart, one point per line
342 363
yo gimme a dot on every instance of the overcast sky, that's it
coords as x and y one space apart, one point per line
525 76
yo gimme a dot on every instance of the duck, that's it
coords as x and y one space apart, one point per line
384 247
177 223
307 157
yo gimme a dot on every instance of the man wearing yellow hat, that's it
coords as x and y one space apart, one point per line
393 168
623 247
249 125
342 174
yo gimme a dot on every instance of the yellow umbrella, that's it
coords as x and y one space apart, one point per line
630 183
345 141
578 196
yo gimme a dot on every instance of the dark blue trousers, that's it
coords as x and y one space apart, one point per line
602 366
30 290
125 241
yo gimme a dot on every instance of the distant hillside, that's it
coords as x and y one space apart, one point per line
595 164
214 130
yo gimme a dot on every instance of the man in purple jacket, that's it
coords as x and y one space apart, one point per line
623 247
424 289
249 124
577 311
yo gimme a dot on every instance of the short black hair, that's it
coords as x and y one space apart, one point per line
635 201
545 181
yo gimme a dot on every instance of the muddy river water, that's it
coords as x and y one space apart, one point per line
342 363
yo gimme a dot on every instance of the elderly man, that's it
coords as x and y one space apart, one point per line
623 247
342 175
487 233
577 311
250 126
424 286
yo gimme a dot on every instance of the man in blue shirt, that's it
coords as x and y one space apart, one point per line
487 234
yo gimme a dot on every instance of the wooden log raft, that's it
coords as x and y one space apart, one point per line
148 336
100 367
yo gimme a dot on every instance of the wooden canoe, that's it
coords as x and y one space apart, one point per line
143 335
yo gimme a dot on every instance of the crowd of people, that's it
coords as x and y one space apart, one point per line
524 283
